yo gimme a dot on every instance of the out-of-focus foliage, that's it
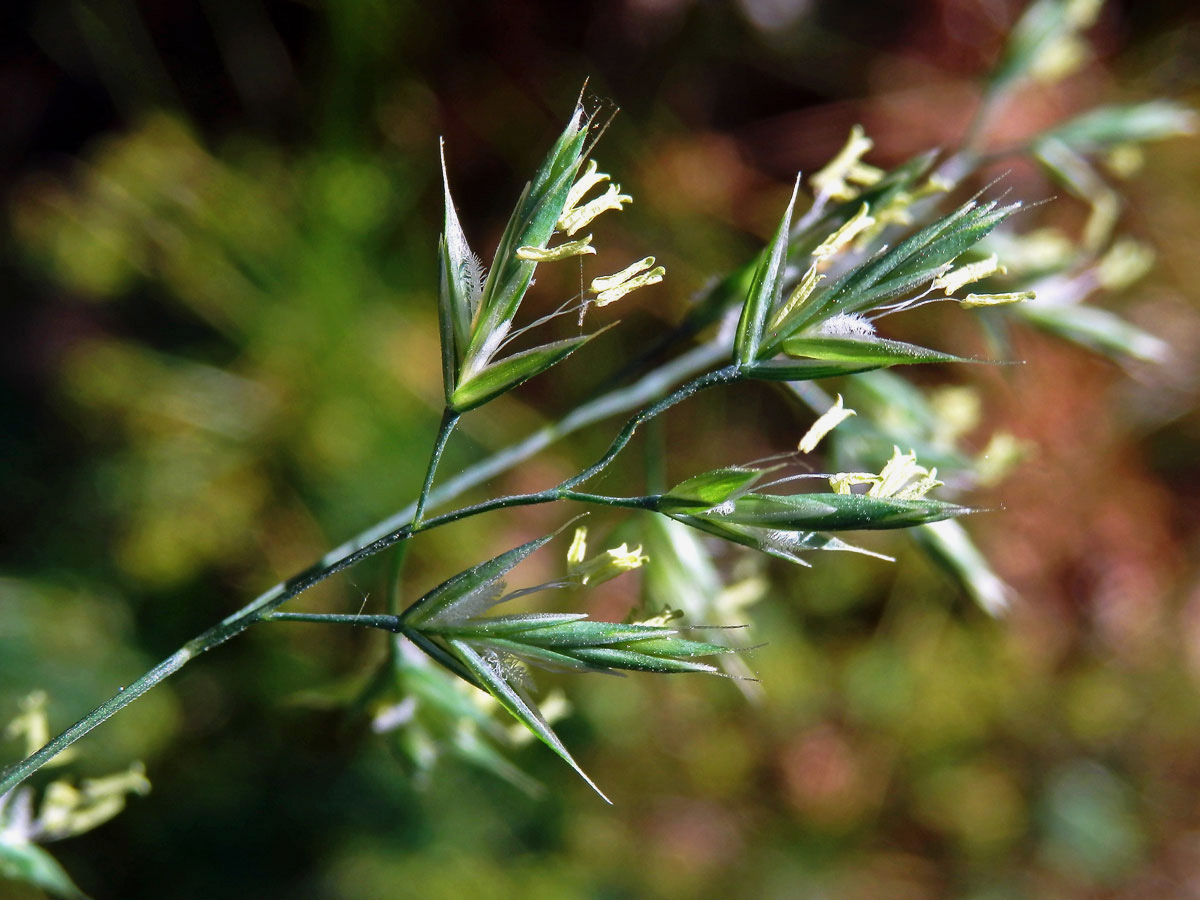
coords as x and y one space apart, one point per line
264 257
221 242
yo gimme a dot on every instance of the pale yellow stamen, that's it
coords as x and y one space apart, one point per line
972 300
663 619
625 558
581 247
843 481
604 282
901 479
604 566
1125 160
958 278
610 288
831 180
574 219
1125 262
898 472
799 294
613 294
131 781
578 549
919 488
33 724
857 223
829 420
864 174
68 811
588 180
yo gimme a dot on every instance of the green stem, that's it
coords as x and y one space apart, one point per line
238 622
402 526
387 623
262 608
620 400
449 420
727 375
643 391
17 773
650 503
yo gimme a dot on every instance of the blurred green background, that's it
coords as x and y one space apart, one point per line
219 359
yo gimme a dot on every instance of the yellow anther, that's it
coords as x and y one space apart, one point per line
607 565
610 288
919 488
958 278
574 219
898 472
1125 262
864 174
612 295
588 180
578 549
829 420
843 481
580 247
972 300
831 180
604 282
857 223
799 294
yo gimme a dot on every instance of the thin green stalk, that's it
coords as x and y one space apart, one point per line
449 420
238 622
18 772
616 401
651 502
622 399
392 600
726 375
400 527
336 561
387 623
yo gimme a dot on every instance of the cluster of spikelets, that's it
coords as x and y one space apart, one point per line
494 652
817 329
477 307
808 310
809 307
792 327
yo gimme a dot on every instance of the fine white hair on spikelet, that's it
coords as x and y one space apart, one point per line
847 325
476 274
474 603
508 667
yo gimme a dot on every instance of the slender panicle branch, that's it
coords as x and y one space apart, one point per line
726 375
449 419
349 554
387 623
